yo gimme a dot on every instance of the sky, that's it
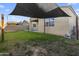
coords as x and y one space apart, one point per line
7 8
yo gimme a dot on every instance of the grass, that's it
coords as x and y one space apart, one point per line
53 43
12 37
22 35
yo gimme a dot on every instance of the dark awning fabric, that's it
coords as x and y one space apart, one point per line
38 10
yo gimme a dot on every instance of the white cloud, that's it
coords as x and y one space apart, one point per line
2 6
71 3
7 10
77 11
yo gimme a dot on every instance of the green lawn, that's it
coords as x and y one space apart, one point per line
22 35
12 37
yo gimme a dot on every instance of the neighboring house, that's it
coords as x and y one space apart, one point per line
59 26
25 25
11 26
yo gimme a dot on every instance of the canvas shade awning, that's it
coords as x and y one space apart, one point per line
38 10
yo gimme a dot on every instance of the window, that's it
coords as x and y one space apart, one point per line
34 25
46 23
49 22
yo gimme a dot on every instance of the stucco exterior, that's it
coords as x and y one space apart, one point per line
63 25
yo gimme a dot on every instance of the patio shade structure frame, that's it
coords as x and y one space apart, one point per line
36 11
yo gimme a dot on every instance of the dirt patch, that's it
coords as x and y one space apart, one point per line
44 48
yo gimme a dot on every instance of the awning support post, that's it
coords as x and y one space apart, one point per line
2 29
76 27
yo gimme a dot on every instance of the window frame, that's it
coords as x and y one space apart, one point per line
50 22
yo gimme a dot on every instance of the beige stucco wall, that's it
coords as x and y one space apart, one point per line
63 25
72 19
41 25
70 11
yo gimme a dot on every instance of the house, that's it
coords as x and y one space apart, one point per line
25 25
59 26
16 26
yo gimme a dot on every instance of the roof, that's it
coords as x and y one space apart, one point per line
25 21
38 10
70 7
